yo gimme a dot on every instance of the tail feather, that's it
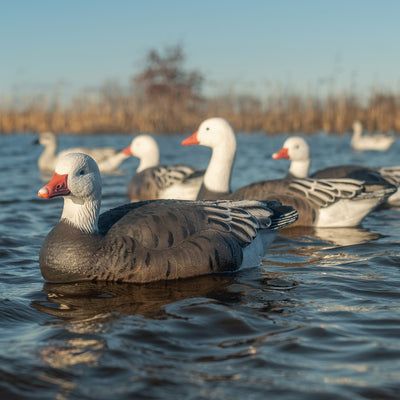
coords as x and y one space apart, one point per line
285 219
377 191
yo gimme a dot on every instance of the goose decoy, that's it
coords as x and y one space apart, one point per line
107 158
153 240
378 142
297 150
320 203
153 181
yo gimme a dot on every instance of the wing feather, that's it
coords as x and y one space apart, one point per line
175 239
323 192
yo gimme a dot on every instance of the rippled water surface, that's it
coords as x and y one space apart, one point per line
319 318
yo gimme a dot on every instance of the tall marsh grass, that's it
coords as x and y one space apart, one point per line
122 113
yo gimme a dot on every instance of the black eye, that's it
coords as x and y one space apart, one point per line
82 172
207 129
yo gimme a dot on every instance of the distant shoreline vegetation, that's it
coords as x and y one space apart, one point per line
164 98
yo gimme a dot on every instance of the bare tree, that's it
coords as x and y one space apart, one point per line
164 76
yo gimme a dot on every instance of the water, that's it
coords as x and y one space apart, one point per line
318 319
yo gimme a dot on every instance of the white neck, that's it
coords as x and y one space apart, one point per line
218 175
82 215
149 160
357 131
113 162
47 158
300 169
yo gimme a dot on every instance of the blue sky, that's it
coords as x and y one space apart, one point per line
253 46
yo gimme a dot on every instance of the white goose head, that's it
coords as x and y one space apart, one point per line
214 133
297 151
47 139
218 134
145 148
76 179
295 148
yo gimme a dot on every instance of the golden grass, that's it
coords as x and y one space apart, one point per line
129 114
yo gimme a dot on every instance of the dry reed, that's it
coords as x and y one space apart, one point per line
117 112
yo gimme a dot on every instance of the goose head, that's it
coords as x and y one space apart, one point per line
145 148
76 179
297 151
47 139
295 148
214 133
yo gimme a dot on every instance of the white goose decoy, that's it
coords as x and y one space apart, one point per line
108 159
362 142
153 181
149 241
320 203
296 149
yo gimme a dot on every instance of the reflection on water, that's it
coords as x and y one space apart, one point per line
306 246
84 301
346 236
334 237
73 351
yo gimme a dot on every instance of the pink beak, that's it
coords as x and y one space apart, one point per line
56 187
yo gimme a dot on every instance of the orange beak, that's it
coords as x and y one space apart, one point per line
282 153
56 187
127 151
191 140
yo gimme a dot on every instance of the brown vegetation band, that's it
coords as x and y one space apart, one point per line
128 114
